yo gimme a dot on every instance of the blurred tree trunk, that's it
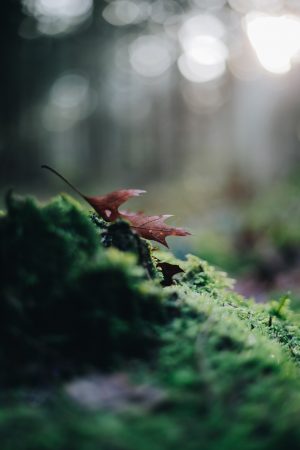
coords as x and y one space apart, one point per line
20 85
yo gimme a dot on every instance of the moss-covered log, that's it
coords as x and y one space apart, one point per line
229 367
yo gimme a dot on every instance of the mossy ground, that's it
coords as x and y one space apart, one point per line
229 367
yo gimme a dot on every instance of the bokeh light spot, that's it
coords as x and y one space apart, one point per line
70 100
150 55
58 16
275 39
204 59
125 12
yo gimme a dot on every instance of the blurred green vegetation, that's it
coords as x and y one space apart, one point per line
229 367
61 292
263 245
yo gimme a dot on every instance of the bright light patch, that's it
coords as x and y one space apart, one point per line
58 16
204 60
204 54
207 50
150 55
202 24
62 8
275 39
197 72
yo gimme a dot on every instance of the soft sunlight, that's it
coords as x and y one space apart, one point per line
204 59
275 39
204 53
58 16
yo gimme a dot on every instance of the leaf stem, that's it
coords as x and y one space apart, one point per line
44 166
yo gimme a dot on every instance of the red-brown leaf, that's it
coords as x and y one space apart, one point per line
105 205
153 227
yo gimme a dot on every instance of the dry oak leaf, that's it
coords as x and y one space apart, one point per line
107 206
153 227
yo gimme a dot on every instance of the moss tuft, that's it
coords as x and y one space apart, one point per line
61 292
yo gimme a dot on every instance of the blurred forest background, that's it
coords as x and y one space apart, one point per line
196 101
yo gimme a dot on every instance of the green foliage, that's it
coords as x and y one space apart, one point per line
279 308
61 292
43 244
230 373
120 235
230 384
200 276
217 248
261 238
277 213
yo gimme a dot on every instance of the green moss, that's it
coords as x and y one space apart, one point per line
229 366
43 244
114 306
120 235
61 292
229 385
200 276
